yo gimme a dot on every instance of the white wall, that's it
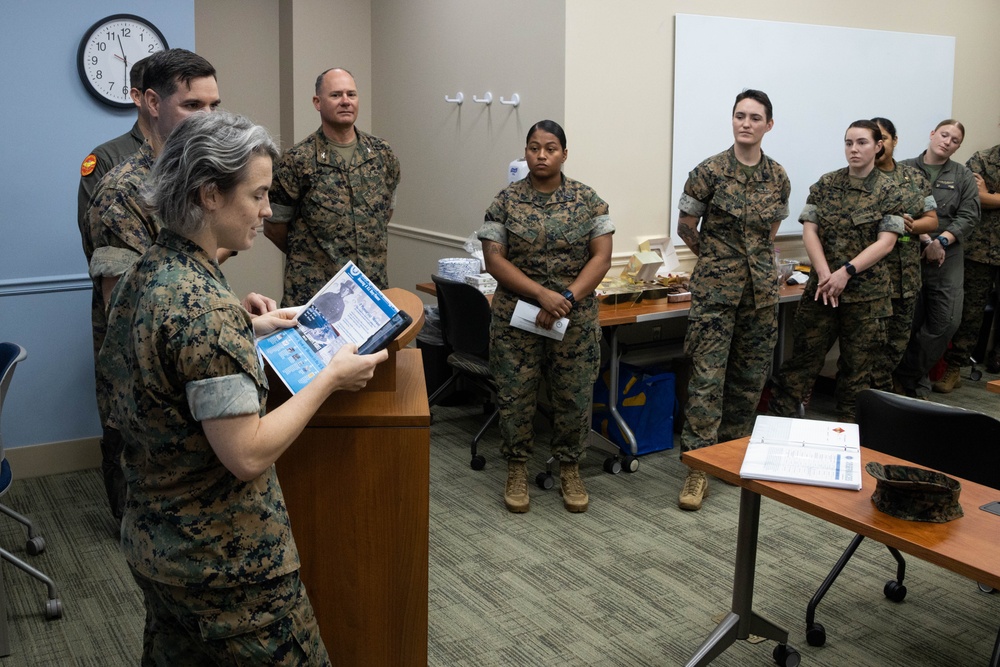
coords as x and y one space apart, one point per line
619 81
454 159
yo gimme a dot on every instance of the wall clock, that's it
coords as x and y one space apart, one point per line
109 49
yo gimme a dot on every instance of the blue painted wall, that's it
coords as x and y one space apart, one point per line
50 124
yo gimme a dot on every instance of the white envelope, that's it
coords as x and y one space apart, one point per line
524 318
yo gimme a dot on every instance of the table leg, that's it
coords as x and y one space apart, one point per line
4 633
995 658
741 622
613 394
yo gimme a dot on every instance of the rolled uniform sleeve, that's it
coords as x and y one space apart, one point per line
285 192
219 366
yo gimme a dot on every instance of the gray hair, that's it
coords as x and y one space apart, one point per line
205 149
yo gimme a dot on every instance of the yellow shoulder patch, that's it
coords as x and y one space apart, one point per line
88 166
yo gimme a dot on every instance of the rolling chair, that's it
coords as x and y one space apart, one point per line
465 324
951 440
10 355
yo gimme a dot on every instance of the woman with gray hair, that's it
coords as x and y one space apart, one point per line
205 531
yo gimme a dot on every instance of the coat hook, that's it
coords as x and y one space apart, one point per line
486 99
514 100
458 99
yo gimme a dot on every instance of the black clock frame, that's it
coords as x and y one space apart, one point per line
83 46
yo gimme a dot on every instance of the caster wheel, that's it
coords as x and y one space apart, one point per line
786 656
986 589
478 462
975 375
53 609
544 481
612 466
35 545
894 590
630 464
816 634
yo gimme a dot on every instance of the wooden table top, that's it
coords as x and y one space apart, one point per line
969 545
644 311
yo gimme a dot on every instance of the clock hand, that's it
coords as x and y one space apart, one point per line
124 57
115 55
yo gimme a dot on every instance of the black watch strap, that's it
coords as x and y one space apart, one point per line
851 271
568 295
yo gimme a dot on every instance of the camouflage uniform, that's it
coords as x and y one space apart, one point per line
982 259
938 310
547 238
334 211
850 216
106 157
195 536
733 322
903 265
118 231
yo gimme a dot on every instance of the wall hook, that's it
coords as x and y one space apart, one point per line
458 99
486 99
514 100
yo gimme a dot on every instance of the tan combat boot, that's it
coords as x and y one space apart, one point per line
695 488
574 493
515 494
952 379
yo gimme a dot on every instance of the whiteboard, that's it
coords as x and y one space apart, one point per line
820 79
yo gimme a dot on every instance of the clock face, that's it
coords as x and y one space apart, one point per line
108 51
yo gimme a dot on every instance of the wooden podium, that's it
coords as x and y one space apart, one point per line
356 483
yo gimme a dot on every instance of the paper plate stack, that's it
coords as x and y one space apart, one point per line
456 268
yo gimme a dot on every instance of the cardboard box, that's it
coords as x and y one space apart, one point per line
642 266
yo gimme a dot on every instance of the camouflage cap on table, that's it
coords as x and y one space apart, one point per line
915 494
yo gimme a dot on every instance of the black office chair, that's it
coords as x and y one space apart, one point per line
10 355
951 440
465 324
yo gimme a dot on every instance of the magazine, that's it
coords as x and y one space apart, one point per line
349 309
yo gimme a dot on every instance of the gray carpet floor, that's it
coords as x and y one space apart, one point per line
634 581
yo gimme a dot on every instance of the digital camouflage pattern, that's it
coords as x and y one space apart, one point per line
733 322
268 624
903 265
982 259
547 238
106 157
335 212
849 215
176 328
735 234
983 245
915 494
115 231
119 232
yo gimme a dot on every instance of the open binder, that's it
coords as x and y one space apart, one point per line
804 451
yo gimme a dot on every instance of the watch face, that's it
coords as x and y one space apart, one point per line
108 51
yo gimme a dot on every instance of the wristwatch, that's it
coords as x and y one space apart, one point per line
943 240
568 295
851 271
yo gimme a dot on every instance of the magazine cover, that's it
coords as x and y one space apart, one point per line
349 309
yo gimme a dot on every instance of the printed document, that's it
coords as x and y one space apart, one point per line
524 318
349 309
804 451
